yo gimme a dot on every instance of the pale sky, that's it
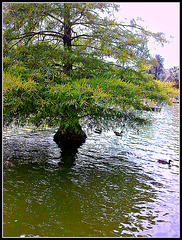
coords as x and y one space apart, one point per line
158 17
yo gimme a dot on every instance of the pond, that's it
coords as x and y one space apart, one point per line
114 187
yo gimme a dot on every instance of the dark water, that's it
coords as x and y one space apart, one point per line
114 188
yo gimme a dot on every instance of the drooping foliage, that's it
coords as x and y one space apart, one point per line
73 61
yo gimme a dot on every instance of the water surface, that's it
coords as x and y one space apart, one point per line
113 188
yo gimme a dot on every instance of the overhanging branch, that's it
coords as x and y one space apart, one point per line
32 34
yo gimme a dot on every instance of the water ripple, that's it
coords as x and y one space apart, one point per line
115 186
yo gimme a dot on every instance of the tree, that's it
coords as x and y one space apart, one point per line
172 75
157 67
78 30
63 64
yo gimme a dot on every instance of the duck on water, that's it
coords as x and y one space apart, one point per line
165 162
99 131
119 133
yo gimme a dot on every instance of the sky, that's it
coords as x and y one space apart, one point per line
157 17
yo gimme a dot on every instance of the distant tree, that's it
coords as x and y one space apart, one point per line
173 76
157 66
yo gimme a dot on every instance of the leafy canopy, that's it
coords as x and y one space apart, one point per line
75 61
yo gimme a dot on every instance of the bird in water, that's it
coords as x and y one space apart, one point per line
99 131
119 133
165 162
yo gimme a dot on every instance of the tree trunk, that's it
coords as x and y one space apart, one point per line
70 133
67 67
69 139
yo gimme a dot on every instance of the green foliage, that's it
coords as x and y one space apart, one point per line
78 32
46 81
99 98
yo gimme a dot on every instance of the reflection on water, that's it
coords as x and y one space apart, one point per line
112 187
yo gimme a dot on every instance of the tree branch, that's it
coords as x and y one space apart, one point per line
55 18
32 34
82 35
76 20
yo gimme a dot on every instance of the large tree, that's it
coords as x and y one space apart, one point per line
81 30
67 62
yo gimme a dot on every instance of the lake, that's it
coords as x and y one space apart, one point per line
113 187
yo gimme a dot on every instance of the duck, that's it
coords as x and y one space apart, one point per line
99 131
165 162
119 133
